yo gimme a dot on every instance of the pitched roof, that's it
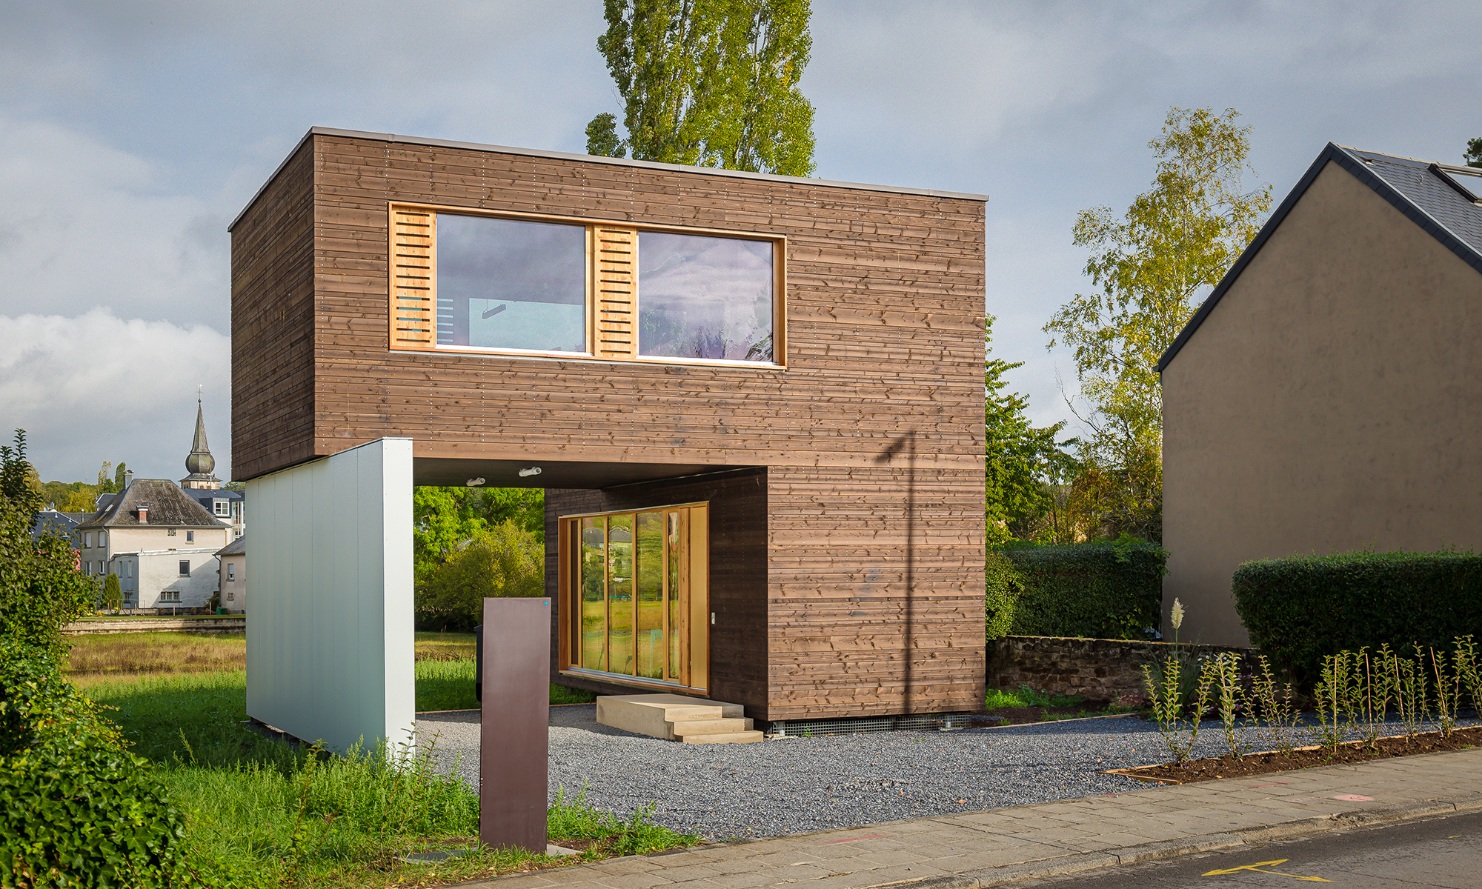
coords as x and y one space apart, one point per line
50 521
1419 189
167 506
235 548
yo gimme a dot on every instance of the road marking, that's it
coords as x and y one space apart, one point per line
1257 868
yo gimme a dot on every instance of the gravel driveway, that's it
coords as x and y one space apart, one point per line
791 785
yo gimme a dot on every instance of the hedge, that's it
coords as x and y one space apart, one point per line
76 807
1299 609
1103 590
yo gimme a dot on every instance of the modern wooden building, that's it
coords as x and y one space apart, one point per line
1324 398
756 402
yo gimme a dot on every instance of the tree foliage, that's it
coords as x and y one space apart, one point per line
1023 463
503 560
1150 267
1473 157
444 519
112 597
710 83
40 589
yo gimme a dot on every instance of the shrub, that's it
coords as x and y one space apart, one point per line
76 807
112 598
502 561
40 590
1300 609
1103 590
1001 593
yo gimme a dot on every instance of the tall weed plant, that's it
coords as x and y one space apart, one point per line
1355 696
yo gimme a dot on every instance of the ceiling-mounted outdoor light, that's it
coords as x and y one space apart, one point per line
529 471
475 482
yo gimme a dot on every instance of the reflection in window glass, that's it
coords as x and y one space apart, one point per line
511 284
704 297
594 593
620 594
648 639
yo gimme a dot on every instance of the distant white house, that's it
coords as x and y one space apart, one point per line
160 538
166 579
232 579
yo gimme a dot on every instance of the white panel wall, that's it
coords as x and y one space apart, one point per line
329 633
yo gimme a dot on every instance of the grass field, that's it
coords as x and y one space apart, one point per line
445 665
260 812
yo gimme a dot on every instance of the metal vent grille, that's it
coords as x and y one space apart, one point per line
812 728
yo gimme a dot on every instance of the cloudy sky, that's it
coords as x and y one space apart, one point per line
131 133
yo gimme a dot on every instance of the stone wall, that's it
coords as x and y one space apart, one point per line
218 624
1099 670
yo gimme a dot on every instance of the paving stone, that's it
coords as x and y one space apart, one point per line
1050 838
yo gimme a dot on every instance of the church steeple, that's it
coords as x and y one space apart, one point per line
200 463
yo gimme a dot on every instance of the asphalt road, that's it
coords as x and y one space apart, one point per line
1441 852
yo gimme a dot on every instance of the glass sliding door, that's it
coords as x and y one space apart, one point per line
636 594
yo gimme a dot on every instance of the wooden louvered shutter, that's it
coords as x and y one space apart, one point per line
615 278
413 291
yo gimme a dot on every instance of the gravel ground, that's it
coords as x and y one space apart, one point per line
792 785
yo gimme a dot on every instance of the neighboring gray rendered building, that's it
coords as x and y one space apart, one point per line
1324 398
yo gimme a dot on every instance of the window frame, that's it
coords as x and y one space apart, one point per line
221 508
185 567
779 288
694 673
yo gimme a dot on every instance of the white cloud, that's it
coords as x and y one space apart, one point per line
131 134
92 387
89 225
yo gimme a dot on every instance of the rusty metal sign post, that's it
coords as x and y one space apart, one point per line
514 735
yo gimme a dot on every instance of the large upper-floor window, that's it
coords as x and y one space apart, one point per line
511 284
468 282
705 297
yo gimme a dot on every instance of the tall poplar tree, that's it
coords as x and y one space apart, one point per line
709 83
1170 247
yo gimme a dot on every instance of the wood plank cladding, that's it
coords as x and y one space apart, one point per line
615 286
413 298
848 576
273 299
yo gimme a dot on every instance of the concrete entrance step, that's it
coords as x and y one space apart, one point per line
677 718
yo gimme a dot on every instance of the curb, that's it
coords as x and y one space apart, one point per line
1081 862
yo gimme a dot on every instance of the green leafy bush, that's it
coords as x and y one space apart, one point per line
1002 588
503 561
1300 609
1102 590
40 591
76 807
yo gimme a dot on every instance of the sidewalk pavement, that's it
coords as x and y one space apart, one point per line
1003 846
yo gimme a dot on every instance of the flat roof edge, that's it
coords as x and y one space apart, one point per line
595 159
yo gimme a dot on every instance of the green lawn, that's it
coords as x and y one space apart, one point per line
260 812
444 665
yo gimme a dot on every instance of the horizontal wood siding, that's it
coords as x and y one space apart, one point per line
738 576
844 637
273 324
884 302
